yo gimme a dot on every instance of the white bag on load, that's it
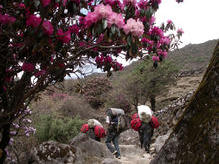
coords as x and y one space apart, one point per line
93 122
145 113
117 111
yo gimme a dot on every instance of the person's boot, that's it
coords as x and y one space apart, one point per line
118 156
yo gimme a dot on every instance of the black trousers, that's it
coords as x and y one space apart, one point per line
145 134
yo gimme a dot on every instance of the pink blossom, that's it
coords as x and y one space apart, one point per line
82 44
45 2
74 29
13 132
61 65
65 37
21 5
165 40
126 2
156 31
169 22
47 27
33 21
100 39
145 40
6 19
40 73
103 11
143 4
180 31
28 67
134 27
155 58
152 20
64 2
116 19
90 19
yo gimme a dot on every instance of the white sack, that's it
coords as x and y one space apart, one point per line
93 122
116 111
145 113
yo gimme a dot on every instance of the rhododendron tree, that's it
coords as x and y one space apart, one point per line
42 41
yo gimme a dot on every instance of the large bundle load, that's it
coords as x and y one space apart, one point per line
84 128
144 113
121 119
136 123
99 131
93 122
154 122
115 111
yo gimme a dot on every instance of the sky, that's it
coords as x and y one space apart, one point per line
198 18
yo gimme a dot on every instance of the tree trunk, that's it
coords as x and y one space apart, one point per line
153 102
4 142
194 139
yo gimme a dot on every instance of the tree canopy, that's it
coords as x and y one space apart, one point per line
42 41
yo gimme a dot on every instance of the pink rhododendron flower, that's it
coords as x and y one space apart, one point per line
134 27
126 2
6 19
40 73
152 20
143 4
65 37
21 5
45 2
165 40
169 22
155 58
103 11
90 19
116 19
156 31
162 53
145 40
33 21
100 39
82 44
74 29
47 27
180 31
28 67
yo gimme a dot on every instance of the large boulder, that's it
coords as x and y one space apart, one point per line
81 150
52 152
89 150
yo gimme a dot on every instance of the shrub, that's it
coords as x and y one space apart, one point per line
77 105
52 127
117 99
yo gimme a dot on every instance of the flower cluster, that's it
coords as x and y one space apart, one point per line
108 63
127 2
6 19
134 27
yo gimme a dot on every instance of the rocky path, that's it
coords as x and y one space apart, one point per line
132 154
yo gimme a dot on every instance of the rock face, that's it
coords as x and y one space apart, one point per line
52 152
195 138
89 150
81 150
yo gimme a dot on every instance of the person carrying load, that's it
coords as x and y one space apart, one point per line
116 123
94 129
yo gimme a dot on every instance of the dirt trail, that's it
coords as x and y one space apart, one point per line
132 154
